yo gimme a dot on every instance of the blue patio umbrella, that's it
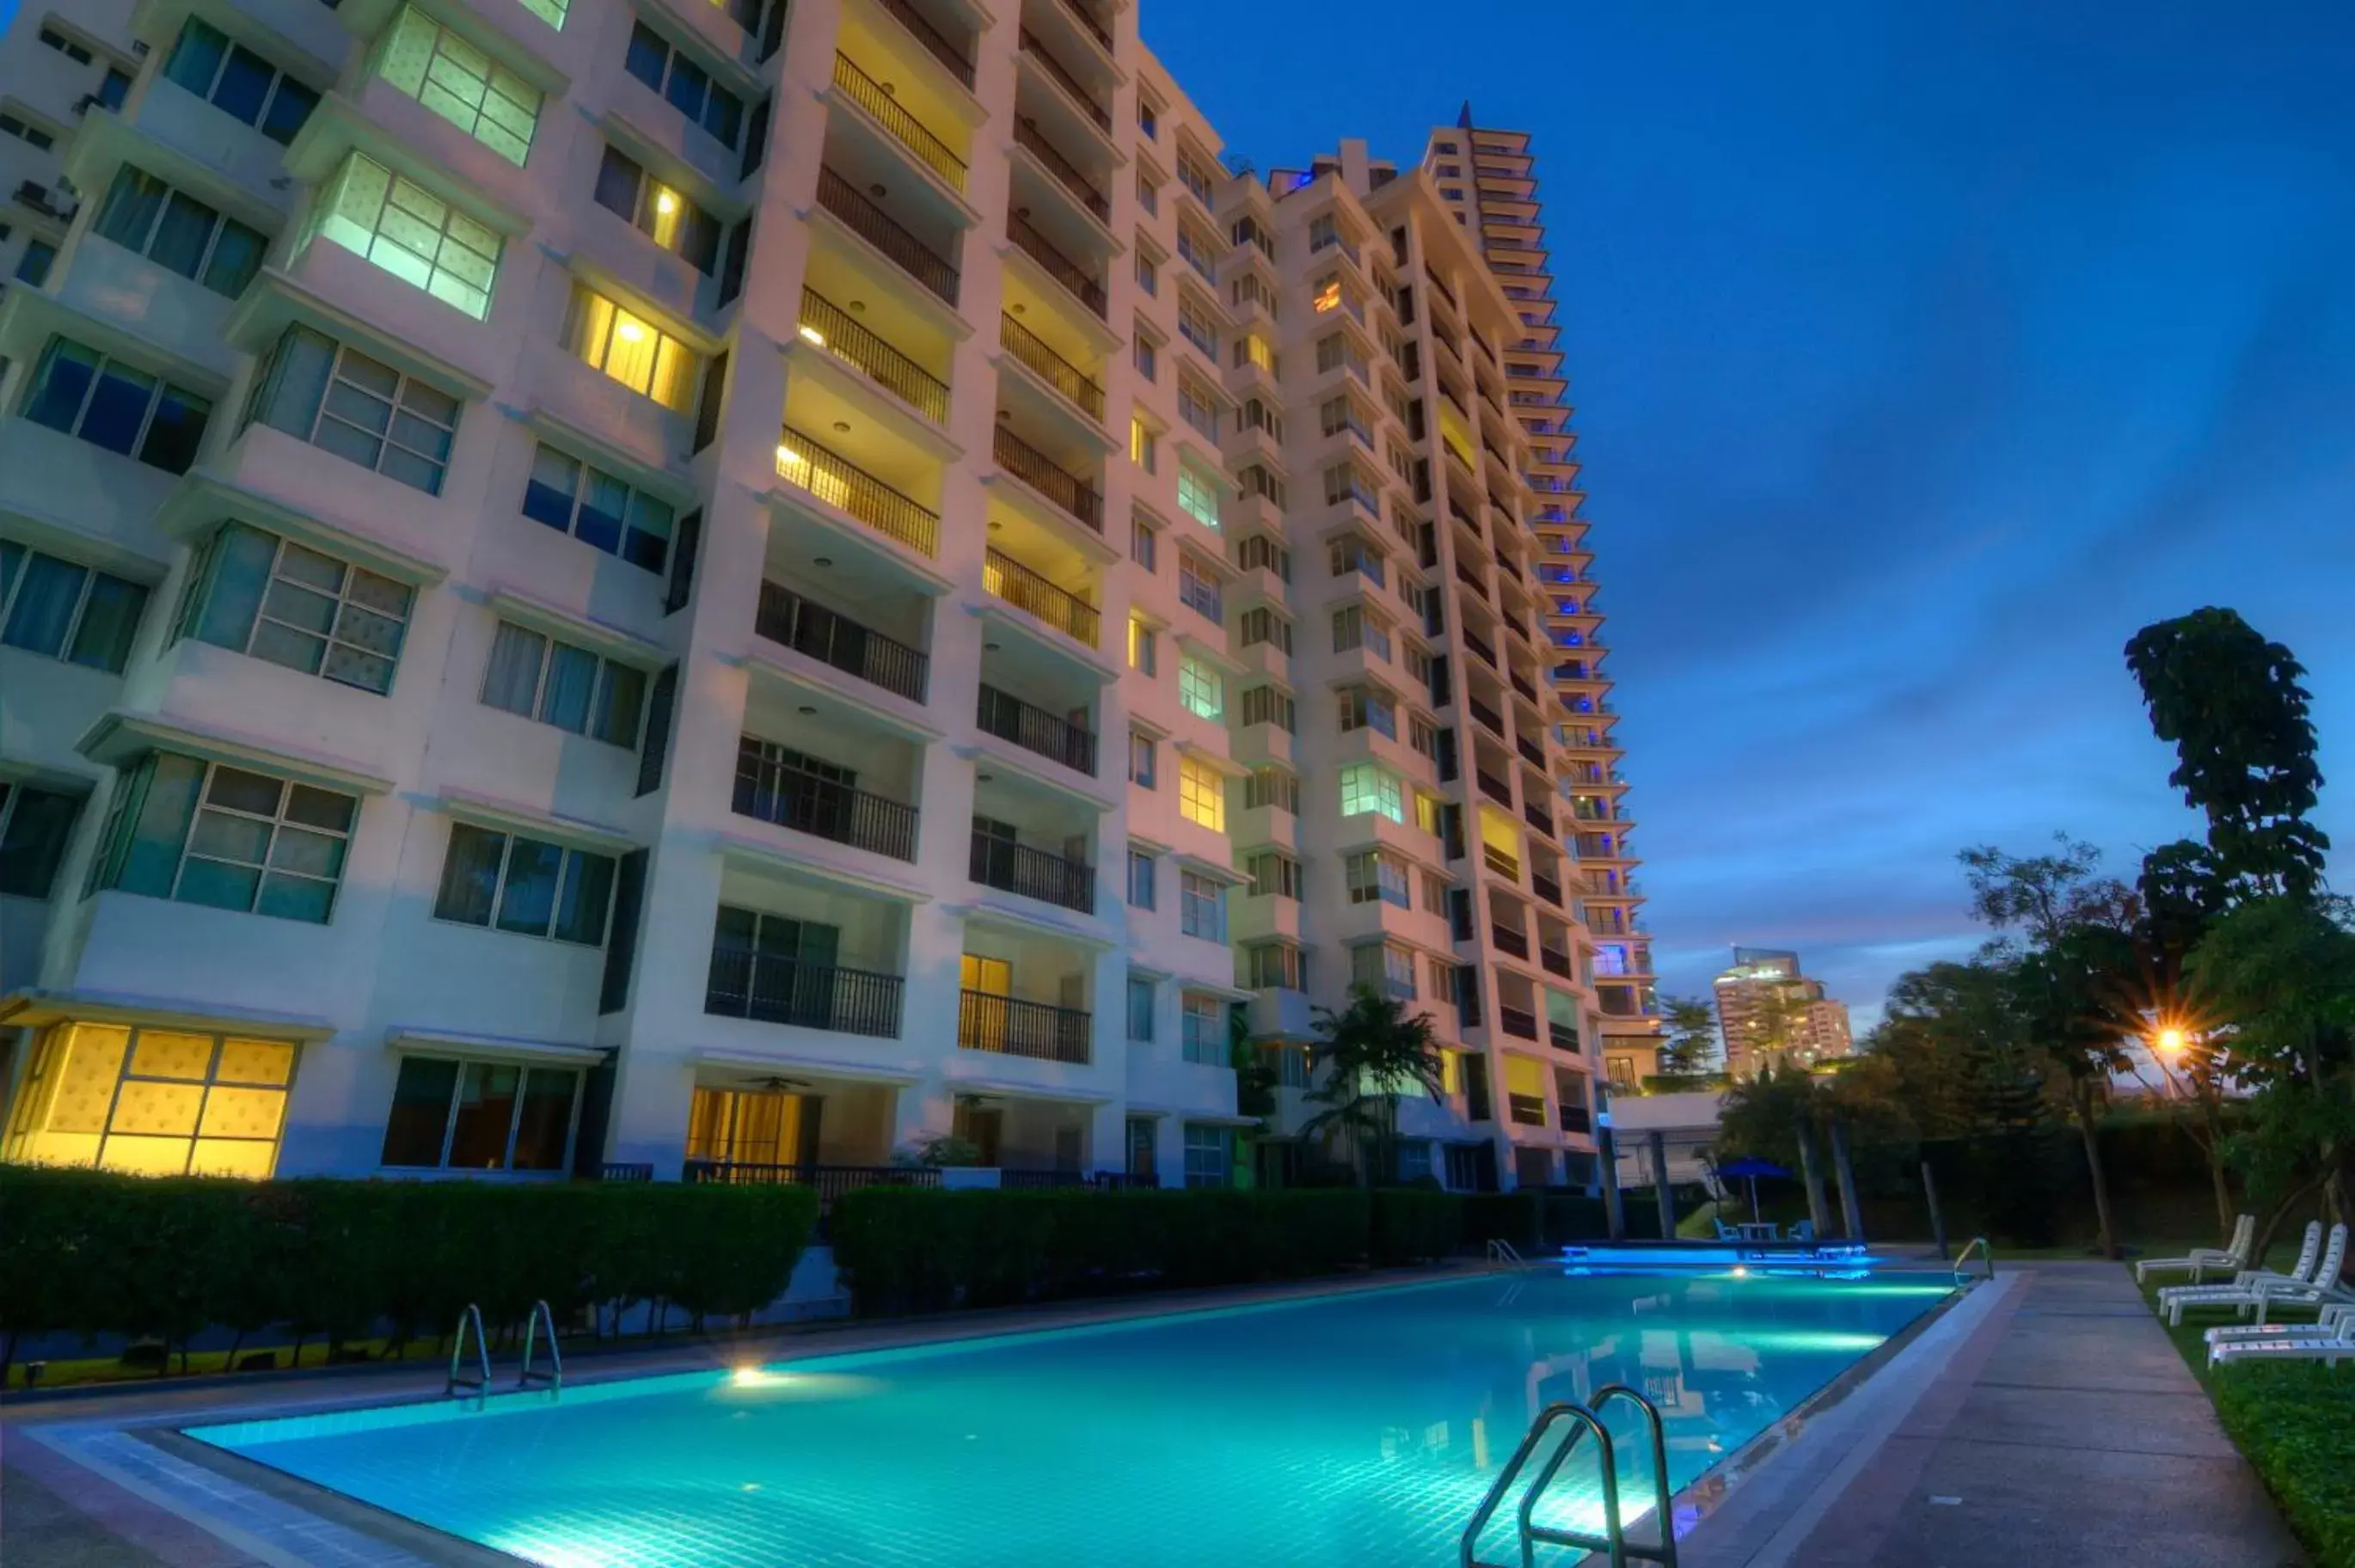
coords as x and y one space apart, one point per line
1750 1168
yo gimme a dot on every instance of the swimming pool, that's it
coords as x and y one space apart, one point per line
1358 1429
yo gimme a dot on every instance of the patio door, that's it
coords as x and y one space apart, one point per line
747 1127
1140 1146
984 1011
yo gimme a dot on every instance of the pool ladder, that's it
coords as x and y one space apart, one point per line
476 1380
1987 1255
1586 1421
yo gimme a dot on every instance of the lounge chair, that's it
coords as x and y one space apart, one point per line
2230 1258
1803 1231
2326 1323
2309 1249
2255 1291
2329 1350
1726 1232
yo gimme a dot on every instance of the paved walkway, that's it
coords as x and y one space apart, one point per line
2065 1429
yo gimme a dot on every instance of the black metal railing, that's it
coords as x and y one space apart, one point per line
1027 41
787 618
1014 1027
1067 174
1555 960
1479 648
1088 291
831 1181
1520 1022
1522 684
1526 1109
1562 1036
626 1170
911 133
1486 714
837 332
1495 788
1058 373
1537 817
771 989
769 790
1573 1118
1041 874
1009 579
947 53
883 231
843 484
1545 888
1043 474
1530 749
1087 20
1508 940
1034 728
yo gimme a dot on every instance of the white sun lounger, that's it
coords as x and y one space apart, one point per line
2230 1258
2309 1249
2308 1289
2329 1350
2325 1325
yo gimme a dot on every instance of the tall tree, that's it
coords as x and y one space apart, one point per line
1687 1037
1369 1054
2232 705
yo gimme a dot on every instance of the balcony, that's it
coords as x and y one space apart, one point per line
1548 889
1065 491
1522 684
828 327
1521 1024
893 115
880 230
1529 1110
1480 650
1495 788
1076 386
769 790
1531 753
1555 960
1007 578
1074 278
1034 728
1028 136
1488 716
771 989
1508 940
785 617
1011 1027
1012 868
935 42
842 485
1573 1118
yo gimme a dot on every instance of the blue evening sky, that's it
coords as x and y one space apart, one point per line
1922 353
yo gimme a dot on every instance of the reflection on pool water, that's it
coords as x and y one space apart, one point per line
1358 1429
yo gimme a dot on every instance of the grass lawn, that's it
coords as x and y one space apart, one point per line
2297 1424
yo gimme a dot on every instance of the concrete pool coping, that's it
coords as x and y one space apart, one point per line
179 1492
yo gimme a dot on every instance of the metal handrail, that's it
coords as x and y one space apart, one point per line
883 231
554 1376
1057 372
931 39
834 329
842 483
893 116
480 1381
832 639
1070 492
1467 1544
1501 1251
1062 268
1003 576
1985 1251
1613 1542
1666 1552
1028 136
1030 44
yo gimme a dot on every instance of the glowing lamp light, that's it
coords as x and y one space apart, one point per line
814 336
665 202
787 457
1740 1271
755 1377
629 332
2170 1042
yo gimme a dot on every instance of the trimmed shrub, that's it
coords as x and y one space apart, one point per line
1410 1225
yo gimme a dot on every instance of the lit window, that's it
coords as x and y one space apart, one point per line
153 1102
1366 787
62 610
525 885
480 1115
202 833
1144 647
642 358
1202 690
663 215
1144 445
460 84
1201 794
270 597
1198 494
571 687
360 409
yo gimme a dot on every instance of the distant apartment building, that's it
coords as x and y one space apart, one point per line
544 630
1770 1014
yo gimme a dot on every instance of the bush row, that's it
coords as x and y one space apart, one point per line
914 1250
2297 1424
93 1252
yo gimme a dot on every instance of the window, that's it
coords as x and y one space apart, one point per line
34 825
1261 553
577 498
1365 787
1266 705
686 85
1349 628
411 233
1260 625
1255 480
1367 708
1434 893
1148 273
632 351
1351 553
1197 589
1277 966
1209 1154
253 593
1143 353
60 610
1423 735
33 135
205 833
33 266
361 410
1196 326
1275 875
107 403
1144 544
1140 878
480 1115
565 686
1140 1009
1372 876
1324 231
180 233
1144 647
1276 787
1205 1022
1148 195
1148 117
1251 348
1144 444
1385 968
1198 493
1197 406
1202 907
153 1102
1142 760
1201 794
663 215
1430 811
525 885
1196 178
239 82
66 46
1202 690
460 84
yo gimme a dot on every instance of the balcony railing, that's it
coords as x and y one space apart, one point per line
1067 174
836 331
1073 277
1007 578
843 484
1034 728
770 791
1520 1022
1508 940
925 33
1522 684
1529 750
1529 1110
1573 1118
1028 43
1014 1027
1480 649
1555 960
787 618
1012 868
1486 714
1065 378
1545 888
867 93
880 230
770 989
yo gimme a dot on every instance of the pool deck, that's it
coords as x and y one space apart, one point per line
2055 1424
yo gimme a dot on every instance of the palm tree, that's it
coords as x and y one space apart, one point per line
1371 1052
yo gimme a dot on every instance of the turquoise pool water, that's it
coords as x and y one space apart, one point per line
1356 1430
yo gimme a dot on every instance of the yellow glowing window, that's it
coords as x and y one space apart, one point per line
1329 296
153 1102
1144 446
1141 646
632 350
1427 808
1201 794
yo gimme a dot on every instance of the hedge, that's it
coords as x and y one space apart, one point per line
915 1249
93 1253
2297 1424
1537 1222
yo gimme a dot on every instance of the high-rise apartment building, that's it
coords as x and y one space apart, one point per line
1488 179
655 588
1769 1014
